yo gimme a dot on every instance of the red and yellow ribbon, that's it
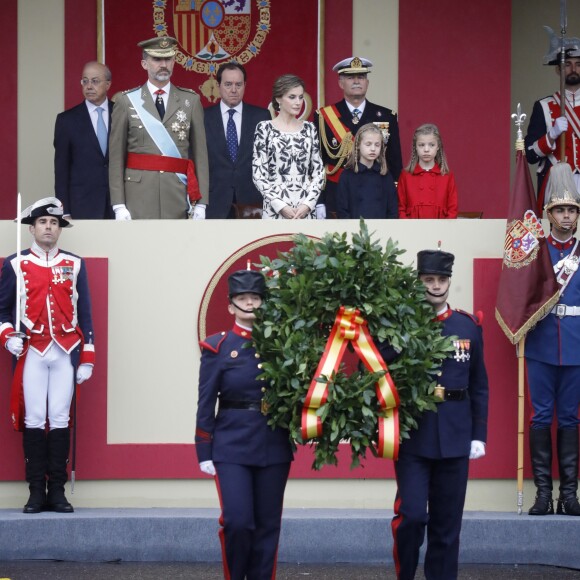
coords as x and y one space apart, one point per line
350 326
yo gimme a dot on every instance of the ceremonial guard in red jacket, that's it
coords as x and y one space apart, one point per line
249 460
433 464
553 357
547 124
54 349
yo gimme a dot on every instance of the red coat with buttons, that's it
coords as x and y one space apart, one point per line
427 194
55 305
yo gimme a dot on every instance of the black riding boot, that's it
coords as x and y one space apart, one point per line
541 454
34 443
568 465
58 450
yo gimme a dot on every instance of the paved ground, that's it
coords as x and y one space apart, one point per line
41 570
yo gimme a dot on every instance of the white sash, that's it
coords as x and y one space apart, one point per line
567 267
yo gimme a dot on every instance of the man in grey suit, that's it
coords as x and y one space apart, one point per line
81 155
158 158
229 128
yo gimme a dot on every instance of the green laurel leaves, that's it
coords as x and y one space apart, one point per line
308 286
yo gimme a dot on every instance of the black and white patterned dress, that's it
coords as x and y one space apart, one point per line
287 168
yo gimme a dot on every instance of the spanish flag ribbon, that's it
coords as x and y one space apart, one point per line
350 326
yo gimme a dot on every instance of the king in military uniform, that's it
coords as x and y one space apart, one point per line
158 165
433 464
338 124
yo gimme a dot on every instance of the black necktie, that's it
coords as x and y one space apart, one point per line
159 104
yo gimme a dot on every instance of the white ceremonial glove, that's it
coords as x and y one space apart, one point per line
198 211
320 211
15 345
207 467
84 373
122 213
560 125
477 449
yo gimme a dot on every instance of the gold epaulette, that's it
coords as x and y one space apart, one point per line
131 90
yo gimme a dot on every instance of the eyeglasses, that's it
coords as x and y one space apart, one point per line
94 82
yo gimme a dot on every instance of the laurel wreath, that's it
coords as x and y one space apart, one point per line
306 287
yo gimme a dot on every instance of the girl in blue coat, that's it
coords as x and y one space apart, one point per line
366 189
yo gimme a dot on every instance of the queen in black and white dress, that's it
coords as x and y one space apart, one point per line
287 168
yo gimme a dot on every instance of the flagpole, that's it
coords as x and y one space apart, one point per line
563 26
521 380
18 260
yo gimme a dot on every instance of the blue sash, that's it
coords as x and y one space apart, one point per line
156 130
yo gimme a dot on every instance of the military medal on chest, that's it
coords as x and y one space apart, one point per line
462 347
61 274
181 126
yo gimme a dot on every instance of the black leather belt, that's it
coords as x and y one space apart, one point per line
247 405
450 394
457 395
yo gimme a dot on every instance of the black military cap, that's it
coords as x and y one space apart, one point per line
244 281
435 262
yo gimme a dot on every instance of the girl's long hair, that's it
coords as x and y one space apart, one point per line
440 158
354 155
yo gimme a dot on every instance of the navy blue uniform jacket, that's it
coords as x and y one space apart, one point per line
229 367
81 171
555 340
366 194
229 179
372 114
449 431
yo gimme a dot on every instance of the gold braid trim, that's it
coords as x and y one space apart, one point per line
342 151
543 311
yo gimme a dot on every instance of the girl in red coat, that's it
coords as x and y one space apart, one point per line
426 187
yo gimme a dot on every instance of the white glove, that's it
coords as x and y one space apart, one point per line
477 449
84 373
15 345
207 467
122 213
198 211
560 125
320 211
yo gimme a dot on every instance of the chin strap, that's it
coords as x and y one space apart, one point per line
435 295
571 228
240 308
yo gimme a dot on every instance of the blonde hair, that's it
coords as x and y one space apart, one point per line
440 157
354 156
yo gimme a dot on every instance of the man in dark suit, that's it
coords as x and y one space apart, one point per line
432 467
81 150
230 145
338 124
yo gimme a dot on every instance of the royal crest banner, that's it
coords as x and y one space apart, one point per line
269 39
527 286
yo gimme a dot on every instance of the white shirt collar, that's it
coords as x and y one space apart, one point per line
92 107
152 89
351 108
224 108
43 253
